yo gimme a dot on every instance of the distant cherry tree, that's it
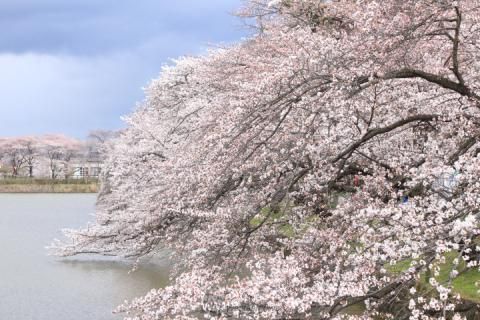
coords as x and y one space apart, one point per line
19 156
31 155
326 168
15 157
98 142
55 161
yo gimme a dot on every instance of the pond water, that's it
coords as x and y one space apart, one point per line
34 285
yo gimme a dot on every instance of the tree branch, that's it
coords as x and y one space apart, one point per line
378 131
464 147
456 43
443 82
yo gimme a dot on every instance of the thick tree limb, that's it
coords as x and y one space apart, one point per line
456 44
378 131
443 82
464 147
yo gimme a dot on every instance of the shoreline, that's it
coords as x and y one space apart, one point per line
48 186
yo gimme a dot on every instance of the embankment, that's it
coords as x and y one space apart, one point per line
22 185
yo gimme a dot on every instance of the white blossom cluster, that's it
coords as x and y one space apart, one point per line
296 175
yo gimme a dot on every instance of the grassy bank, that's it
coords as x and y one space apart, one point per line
27 185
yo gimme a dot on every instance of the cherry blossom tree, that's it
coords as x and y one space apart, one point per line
55 158
97 143
19 155
30 157
298 175
16 158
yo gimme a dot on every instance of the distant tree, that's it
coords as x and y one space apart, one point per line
67 156
98 141
102 136
47 155
30 157
55 157
16 157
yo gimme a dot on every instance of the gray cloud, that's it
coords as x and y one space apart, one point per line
76 65
42 93
92 27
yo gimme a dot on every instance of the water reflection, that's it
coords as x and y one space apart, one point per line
153 274
36 286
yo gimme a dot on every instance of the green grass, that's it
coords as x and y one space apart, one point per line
278 217
464 284
399 267
28 185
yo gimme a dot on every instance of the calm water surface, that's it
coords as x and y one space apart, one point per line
36 286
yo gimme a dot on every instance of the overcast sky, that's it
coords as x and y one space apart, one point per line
71 66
